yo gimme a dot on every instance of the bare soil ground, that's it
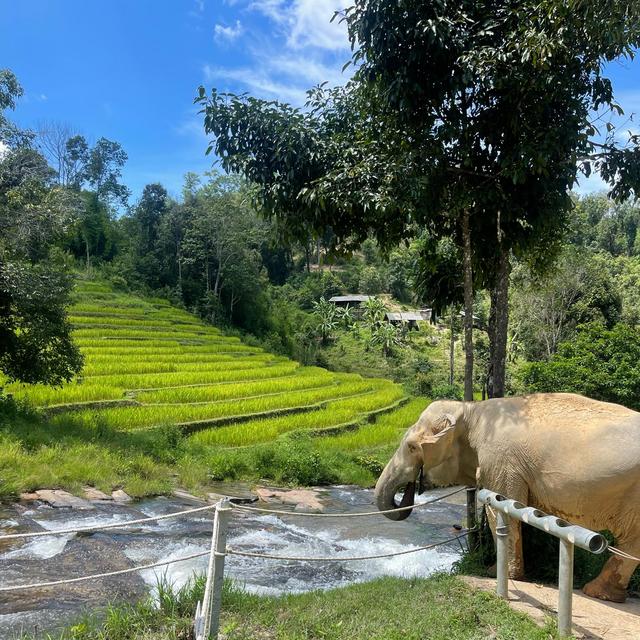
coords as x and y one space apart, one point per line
592 619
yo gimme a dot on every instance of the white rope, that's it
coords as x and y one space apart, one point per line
249 554
100 527
623 554
244 507
96 576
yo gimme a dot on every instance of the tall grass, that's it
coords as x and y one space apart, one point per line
125 322
150 415
115 366
200 334
336 413
388 428
143 347
246 371
181 370
43 396
97 358
303 379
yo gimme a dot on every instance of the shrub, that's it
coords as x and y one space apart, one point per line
600 363
447 392
372 281
294 461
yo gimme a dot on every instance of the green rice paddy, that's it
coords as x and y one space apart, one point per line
150 367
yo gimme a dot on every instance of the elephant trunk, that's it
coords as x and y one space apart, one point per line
385 499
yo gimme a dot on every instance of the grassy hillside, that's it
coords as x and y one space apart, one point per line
165 399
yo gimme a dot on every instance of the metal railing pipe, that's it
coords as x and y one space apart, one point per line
579 536
565 588
502 554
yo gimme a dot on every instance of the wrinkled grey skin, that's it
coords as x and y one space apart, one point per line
562 453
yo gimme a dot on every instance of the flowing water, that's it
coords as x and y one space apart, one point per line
64 556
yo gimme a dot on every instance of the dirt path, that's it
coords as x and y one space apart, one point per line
592 619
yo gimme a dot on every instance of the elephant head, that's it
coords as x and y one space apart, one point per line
436 446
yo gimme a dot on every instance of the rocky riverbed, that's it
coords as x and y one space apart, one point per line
69 555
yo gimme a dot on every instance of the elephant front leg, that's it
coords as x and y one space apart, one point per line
512 487
516 556
611 584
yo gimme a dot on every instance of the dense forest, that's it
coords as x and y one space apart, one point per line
64 210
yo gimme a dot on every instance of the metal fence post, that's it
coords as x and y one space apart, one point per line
565 587
472 518
502 552
215 577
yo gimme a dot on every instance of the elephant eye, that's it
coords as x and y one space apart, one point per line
412 446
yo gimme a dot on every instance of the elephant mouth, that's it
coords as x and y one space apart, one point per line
407 501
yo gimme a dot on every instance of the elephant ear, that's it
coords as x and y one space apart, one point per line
437 446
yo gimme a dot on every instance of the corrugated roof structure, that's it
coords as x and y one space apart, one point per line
350 298
408 316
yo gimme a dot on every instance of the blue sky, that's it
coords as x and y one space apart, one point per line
129 69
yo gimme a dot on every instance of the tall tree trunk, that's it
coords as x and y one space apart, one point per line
206 273
216 286
179 256
498 326
307 254
452 343
86 245
468 307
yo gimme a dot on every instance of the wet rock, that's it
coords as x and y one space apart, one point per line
303 499
95 495
121 497
187 497
59 499
46 607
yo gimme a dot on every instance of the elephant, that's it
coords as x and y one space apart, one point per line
562 453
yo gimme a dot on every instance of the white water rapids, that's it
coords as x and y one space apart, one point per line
55 557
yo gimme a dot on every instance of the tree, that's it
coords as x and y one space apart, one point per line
597 362
103 169
547 310
386 336
10 91
466 119
147 219
326 319
53 139
97 168
35 336
222 241
373 313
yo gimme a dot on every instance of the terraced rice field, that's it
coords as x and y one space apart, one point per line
149 365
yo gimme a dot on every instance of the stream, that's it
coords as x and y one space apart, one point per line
64 556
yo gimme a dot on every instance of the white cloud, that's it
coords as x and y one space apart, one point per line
307 23
221 32
258 81
299 48
3 149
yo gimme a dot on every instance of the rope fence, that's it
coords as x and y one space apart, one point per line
391 554
97 576
310 514
110 525
623 554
